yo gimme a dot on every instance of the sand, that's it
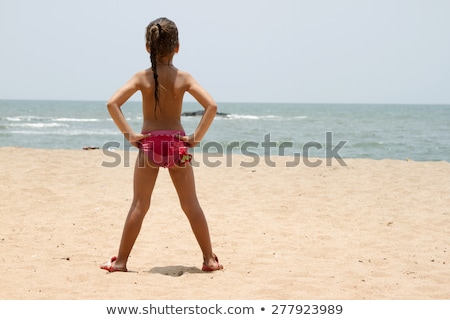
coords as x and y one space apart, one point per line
374 229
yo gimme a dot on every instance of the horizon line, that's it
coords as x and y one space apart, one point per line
245 102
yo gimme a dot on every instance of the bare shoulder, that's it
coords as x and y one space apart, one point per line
184 74
143 74
186 77
141 78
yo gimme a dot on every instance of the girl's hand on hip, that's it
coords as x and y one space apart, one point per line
189 140
134 138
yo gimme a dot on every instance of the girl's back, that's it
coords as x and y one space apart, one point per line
166 113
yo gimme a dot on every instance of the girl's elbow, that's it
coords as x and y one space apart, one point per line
111 105
213 108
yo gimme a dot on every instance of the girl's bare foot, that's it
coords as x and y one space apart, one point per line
110 266
212 265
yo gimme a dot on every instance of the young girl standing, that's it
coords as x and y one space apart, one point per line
162 141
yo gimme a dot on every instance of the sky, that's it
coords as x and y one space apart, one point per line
290 51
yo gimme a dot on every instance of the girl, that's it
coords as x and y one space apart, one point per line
162 141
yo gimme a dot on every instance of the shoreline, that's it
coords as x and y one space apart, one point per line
243 158
374 229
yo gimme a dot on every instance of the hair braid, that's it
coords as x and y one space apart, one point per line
154 31
162 39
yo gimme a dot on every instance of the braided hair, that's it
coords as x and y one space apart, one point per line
161 40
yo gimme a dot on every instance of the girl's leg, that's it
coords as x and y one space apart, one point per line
183 180
144 181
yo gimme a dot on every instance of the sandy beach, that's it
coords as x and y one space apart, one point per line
374 229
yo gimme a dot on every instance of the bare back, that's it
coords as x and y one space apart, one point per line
173 83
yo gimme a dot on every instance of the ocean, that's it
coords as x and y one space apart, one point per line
415 132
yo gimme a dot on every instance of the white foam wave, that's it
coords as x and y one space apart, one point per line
49 119
259 117
251 117
65 132
76 120
38 125
13 119
22 118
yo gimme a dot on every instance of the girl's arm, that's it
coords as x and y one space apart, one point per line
114 108
207 102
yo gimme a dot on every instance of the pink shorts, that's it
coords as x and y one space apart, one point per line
165 149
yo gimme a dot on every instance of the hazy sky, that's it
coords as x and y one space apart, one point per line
330 51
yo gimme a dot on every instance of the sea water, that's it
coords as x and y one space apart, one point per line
416 132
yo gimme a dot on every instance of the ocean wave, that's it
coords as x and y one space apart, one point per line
76 120
37 125
259 117
13 119
49 119
249 117
23 118
66 132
